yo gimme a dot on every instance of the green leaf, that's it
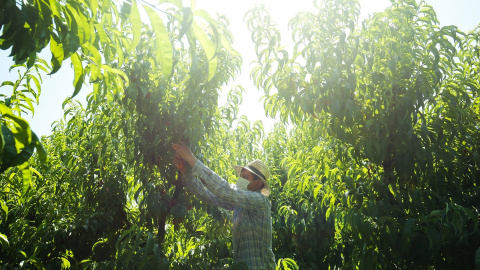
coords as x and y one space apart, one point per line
435 53
18 143
8 101
55 7
30 104
7 83
116 71
41 152
93 8
4 207
228 46
186 22
120 54
214 25
79 75
97 58
164 48
25 154
317 189
102 35
87 28
4 240
21 130
9 150
26 177
287 264
37 84
65 263
208 48
31 59
136 22
76 24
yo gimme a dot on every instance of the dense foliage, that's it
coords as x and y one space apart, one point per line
97 37
374 159
387 115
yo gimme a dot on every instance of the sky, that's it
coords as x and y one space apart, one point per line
57 87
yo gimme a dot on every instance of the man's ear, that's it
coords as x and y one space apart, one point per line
255 185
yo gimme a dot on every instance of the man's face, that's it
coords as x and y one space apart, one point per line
247 175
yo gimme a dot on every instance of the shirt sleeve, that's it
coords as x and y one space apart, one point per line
194 186
227 193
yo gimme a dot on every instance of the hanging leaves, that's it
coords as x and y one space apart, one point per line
136 22
164 49
18 142
79 75
208 48
56 47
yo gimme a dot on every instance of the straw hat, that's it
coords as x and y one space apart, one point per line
258 168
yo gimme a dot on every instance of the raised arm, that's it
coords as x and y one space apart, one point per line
227 193
194 186
223 191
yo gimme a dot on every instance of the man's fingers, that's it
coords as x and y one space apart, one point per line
178 162
182 150
176 146
180 165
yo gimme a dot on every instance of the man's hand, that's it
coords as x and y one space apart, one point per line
184 153
180 164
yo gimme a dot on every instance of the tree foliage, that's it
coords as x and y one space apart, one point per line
93 35
374 159
393 103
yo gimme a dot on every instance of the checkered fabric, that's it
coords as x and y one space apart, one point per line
252 221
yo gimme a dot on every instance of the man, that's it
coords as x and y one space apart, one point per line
252 222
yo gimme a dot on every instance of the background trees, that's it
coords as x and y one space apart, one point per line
374 159
96 37
393 101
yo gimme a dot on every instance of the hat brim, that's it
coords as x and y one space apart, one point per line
239 168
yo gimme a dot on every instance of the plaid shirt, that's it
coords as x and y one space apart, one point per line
252 221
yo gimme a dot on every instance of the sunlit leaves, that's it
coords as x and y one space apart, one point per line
388 101
79 75
164 52
209 49
56 47
95 57
95 34
95 159
134 17
75 25
287 263
18 142
55 8
3 240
